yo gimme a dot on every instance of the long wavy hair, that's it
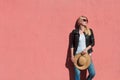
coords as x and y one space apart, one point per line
77 25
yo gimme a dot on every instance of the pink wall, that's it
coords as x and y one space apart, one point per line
34 37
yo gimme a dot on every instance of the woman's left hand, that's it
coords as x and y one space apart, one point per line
84 51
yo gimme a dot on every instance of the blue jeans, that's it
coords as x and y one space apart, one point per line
91 71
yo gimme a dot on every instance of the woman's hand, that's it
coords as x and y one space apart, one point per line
84 51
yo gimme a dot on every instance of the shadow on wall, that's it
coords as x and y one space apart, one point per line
70 66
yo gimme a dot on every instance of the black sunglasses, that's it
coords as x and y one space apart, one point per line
85 20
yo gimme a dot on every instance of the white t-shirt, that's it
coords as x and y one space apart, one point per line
81 44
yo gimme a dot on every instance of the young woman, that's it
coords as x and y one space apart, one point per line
82 40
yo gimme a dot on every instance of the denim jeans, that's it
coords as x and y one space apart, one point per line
91 71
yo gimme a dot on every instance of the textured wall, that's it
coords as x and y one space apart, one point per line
34 37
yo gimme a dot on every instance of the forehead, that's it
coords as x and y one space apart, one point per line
82 17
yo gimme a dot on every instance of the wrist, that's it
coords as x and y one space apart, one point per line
85 49
88 47
72 56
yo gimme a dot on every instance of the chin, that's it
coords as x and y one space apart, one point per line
84 24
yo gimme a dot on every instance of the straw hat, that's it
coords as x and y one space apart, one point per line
82 61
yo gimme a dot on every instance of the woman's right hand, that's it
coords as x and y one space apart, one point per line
72 59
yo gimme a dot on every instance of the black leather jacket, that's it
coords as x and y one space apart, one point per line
74 40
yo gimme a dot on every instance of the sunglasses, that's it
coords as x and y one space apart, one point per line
85 20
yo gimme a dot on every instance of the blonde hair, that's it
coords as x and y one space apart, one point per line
87 30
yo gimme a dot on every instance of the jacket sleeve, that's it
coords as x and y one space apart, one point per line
71 39
92 38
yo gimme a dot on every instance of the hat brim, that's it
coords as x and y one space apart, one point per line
86 65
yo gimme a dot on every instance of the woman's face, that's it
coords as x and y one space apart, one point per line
83 21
